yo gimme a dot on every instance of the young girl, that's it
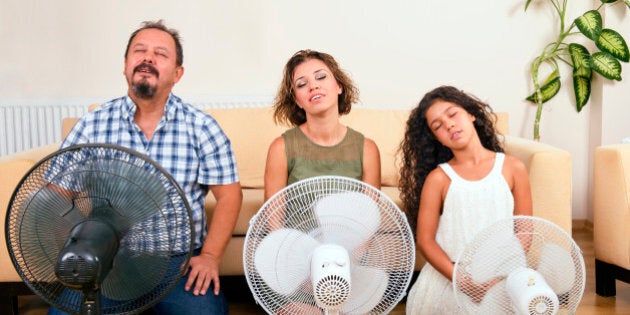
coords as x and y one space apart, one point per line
455 181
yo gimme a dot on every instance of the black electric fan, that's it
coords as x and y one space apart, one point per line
99 229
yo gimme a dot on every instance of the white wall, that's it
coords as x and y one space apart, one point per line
395 51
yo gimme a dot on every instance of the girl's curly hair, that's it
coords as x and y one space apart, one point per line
422 152
286 110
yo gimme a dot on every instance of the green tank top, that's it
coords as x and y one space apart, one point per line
307 159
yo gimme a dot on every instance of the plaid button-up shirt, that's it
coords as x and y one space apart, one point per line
187 142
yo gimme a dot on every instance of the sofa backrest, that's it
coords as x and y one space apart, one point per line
386 128
251 131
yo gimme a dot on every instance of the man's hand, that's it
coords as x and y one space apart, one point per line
203 270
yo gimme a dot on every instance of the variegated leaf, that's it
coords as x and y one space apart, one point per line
584 72
579 56
549 90
606 65
582 90
590 24
612 42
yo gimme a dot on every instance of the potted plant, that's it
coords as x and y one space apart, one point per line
605 62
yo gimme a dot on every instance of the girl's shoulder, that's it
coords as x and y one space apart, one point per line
437 176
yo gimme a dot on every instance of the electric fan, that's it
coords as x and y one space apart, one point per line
329 244
520 265
99 228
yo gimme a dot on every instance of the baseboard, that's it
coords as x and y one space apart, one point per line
582 224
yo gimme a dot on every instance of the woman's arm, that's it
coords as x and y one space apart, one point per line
276 171
371 164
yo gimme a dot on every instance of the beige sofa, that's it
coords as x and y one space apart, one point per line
252 130
611 216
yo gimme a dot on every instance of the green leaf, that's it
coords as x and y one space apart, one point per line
606 65
627 3
582 90
590 24
530 1
584 72
612 42
579 55
549 90
608 1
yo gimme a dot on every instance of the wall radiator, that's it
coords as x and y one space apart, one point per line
23 127
26 126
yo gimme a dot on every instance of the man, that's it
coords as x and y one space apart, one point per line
188 143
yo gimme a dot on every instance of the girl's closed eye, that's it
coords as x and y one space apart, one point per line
300 84
320 76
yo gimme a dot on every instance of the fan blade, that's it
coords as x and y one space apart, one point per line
135 274
347 219
283 259
557 267
133 194
497 257
368 286
495 301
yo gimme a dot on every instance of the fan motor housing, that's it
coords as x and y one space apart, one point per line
330 269
87 256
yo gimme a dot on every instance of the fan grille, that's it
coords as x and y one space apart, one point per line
109 183
542 305
391 249
521 241
332 291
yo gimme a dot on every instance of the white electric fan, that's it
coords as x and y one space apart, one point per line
520 265
330 245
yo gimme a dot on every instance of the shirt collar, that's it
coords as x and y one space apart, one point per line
130 107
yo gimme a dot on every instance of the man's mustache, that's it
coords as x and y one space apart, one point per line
146 67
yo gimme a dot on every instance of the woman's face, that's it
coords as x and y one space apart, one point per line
315 87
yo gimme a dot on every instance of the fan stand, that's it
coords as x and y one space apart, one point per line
91 302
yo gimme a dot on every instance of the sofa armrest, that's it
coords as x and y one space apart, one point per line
611 204
549 171
13 167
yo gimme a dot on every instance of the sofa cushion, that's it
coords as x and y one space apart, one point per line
13 168
252 202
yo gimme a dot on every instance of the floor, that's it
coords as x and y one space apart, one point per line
242 302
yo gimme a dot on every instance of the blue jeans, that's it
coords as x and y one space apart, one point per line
180 301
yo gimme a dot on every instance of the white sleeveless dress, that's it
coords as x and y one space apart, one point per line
469 207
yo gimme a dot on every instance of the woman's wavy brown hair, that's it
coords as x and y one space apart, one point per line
286 110
422 152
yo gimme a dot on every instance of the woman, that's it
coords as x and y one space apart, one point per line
313 94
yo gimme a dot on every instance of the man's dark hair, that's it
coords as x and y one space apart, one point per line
160 26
